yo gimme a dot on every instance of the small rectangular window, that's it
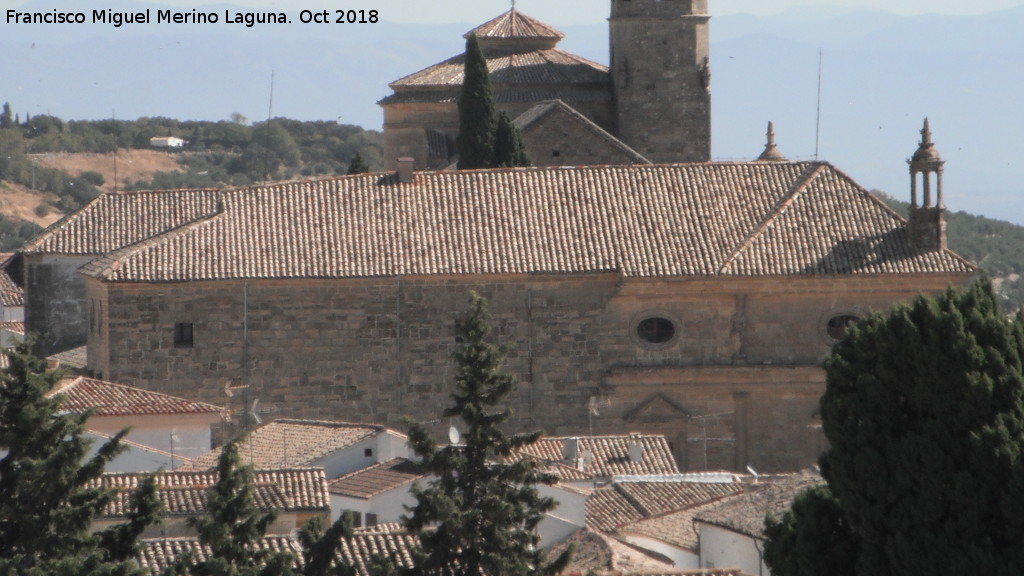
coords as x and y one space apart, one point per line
183 335
371 520
368 452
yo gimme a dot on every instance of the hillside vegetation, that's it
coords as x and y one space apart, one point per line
994 245
34 153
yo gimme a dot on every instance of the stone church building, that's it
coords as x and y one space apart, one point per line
653 105
695 300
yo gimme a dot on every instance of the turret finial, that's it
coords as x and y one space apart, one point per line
926 133
771 151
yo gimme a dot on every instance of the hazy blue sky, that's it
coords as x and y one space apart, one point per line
564 12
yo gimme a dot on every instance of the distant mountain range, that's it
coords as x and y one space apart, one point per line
882 74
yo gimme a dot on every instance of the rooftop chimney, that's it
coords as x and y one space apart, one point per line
636 448
405 173
570 449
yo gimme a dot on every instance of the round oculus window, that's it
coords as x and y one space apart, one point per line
837 325
656 330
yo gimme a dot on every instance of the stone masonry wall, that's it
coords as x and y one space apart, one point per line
405 123
560 141
737 384
660 67
55 309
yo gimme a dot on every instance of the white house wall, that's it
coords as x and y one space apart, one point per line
388 506
720 547
191 432
383 447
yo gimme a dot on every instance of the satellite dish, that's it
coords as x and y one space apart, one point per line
453 435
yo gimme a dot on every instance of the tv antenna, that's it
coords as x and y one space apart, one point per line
817 124
270 115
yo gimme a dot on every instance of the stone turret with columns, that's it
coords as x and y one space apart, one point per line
927 226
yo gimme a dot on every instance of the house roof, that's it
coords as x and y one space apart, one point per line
550 67
377 479
13 326
360 550
110 399
673 528
10 293
739 219
771 495
118 219
624 503
514 25
294 443
76 358
607 456
605 555
533 117
184 493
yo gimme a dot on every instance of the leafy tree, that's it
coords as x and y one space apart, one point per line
924 411
477 122
480 514
47 503
233 527
358 165
508 144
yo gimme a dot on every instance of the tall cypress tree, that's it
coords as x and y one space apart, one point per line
508 144
358 165
233 527
924 412
479 516
477 121
47 496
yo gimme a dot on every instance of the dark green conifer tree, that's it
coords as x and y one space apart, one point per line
47 503
477 120
6 117
812 538
233 527
508 144
924 413
320 547
479 515
358 165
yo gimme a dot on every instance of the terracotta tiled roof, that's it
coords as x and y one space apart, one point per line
608 456
771 495
10 293
624 503
360 550
575 95
119 219
11 298
538 67
16 327
742 219
293 443
377 479
674 528
109 399
76 358
184 493
531 117
514 24
605 555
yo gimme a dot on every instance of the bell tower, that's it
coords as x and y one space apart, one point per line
660 69
927 227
